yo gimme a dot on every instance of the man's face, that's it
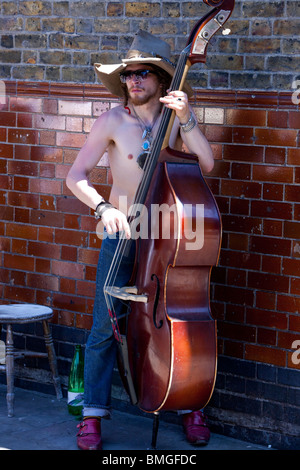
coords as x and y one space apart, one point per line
142 90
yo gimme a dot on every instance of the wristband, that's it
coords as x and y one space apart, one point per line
188 126
101 208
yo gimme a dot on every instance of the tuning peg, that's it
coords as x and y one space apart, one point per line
220 20
226 31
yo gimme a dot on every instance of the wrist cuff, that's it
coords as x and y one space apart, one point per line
101 208
188 126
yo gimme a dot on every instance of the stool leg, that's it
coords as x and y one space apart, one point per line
52 359
10 396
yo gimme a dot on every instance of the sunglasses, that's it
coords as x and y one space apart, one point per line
138 74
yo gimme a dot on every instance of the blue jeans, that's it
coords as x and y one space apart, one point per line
101 347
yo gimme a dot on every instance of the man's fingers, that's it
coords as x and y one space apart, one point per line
114 221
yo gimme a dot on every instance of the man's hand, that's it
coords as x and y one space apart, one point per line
115 221
178 101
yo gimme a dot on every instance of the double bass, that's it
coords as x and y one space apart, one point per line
167 337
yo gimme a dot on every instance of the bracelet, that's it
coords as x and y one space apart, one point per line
188 126
101 208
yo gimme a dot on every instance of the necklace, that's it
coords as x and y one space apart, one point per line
147 138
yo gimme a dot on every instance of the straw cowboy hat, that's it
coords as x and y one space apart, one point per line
145 49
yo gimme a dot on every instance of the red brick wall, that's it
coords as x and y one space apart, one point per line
256 182
49 247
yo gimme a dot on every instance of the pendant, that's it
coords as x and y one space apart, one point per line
141 159
146 133
146 145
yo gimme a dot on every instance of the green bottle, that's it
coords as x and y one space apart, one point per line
76 383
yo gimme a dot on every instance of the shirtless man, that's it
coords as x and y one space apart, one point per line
120 131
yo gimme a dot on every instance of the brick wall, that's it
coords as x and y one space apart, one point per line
61 40
49 248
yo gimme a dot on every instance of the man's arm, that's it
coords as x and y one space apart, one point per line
78 177
195 141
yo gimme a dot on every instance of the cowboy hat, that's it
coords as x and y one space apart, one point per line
145 49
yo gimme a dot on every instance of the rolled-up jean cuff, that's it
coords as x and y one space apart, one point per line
99 412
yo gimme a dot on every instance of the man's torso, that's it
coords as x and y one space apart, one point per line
123 150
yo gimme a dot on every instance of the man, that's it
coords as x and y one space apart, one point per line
126 132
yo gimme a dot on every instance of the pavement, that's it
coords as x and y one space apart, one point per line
41 422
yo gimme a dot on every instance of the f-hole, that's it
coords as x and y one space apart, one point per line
158 326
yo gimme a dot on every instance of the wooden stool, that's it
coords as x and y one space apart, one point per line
26 313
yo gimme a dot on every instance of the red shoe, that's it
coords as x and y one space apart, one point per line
89 434
195 427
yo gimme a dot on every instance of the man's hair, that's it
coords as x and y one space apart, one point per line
163 77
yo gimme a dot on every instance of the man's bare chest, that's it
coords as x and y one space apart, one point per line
133 138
